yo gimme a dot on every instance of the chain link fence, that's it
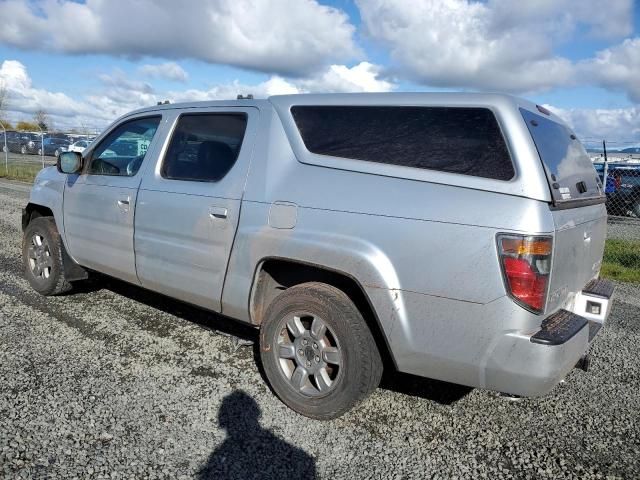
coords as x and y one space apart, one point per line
620 176
24 153
621 181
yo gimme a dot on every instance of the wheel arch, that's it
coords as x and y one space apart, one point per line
33 211
276 274
73 271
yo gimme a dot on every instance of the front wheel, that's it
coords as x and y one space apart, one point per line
23 150
636 209
42 257
56 153
318 352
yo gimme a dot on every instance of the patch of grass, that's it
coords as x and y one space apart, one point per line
621 260
21 172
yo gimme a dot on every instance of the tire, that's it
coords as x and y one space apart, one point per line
636 209
339 366
39 152
23 150
56 153
42 257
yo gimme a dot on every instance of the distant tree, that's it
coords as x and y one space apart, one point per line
42 120
27 126
6 124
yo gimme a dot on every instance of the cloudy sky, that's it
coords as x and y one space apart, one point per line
87 62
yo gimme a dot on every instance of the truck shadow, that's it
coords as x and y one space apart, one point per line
250 451
437 391
206 319
444 393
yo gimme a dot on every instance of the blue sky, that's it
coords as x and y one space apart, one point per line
89 62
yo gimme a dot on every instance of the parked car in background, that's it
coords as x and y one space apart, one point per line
622 188
442 235
78 146
23 142
54 146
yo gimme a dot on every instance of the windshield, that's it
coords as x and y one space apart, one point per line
569 170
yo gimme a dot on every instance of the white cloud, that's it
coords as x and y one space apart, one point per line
616 68
288 37
496 45
24 98
620 127
167 71
340 78
362 77
120 92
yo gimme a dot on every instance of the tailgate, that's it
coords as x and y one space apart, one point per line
577 252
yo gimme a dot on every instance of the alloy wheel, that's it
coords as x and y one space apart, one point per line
40 259
309 355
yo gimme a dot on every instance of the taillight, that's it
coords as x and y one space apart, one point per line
526 263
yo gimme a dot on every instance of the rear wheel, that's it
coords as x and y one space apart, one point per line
318 352
636 209
42 257
23 150
56 153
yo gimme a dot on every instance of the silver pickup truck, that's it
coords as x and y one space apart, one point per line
453 236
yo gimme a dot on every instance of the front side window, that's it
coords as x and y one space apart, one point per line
459 140
121 153
204 147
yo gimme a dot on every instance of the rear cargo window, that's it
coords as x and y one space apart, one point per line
467 141
569 170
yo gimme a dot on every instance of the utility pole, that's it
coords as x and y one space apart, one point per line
605 173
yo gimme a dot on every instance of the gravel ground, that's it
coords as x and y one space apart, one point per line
624 228
116 382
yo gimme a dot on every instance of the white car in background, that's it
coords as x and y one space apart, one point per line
79 146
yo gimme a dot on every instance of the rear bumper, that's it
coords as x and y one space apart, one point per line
532 364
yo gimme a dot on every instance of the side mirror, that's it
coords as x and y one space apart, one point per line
69 162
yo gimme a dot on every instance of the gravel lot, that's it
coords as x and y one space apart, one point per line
624 228
116 382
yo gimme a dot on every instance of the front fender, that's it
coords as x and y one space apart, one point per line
48 192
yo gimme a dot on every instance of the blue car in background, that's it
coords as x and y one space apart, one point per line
54 146
622 188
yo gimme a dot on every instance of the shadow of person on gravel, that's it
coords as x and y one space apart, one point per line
250 451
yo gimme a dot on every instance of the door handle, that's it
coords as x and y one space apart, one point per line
123 204
218 212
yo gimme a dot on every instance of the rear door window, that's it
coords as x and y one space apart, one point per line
570 172
459 140
204 147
